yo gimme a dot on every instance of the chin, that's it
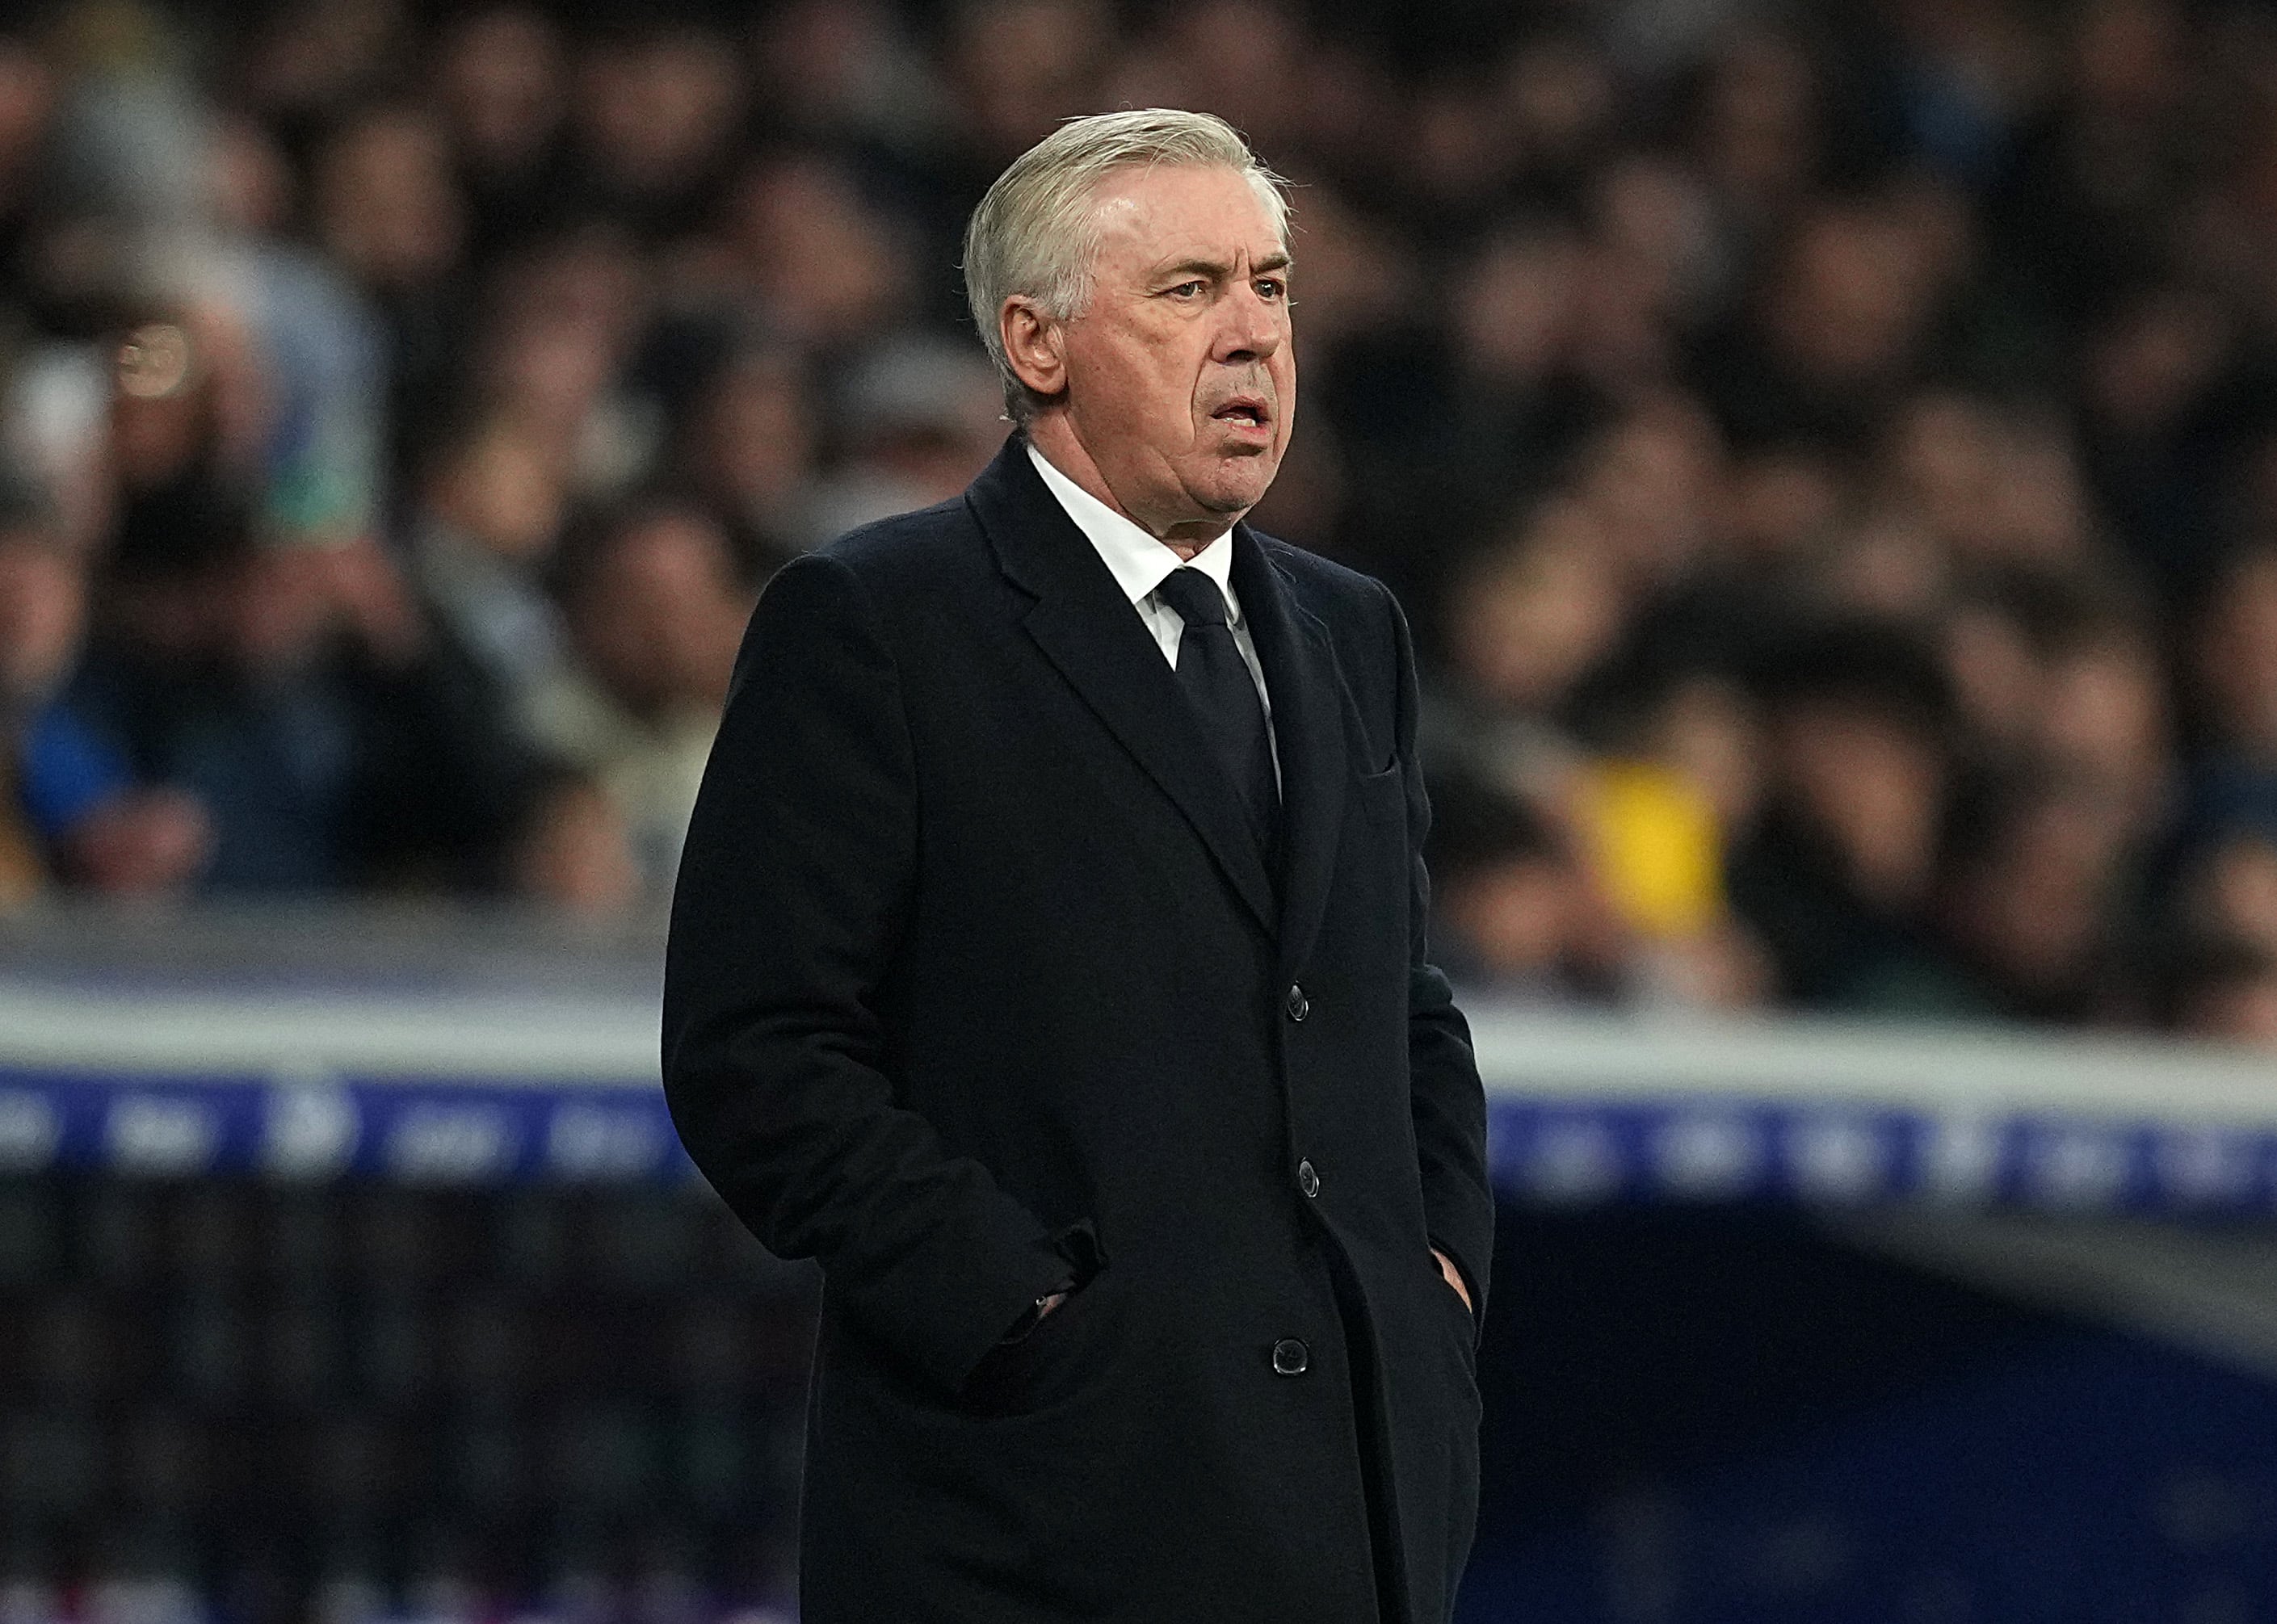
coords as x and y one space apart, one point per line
1241 487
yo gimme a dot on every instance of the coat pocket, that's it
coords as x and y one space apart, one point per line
1053 1364
1383 796
1464 1418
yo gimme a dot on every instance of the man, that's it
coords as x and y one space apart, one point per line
1047 961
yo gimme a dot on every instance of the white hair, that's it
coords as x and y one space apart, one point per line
1034 235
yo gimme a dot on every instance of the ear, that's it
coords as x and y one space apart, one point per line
1034 344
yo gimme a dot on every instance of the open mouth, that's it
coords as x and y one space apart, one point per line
1247 412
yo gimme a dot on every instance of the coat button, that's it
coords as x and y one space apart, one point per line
1308 1180
1298 1004
1290 1357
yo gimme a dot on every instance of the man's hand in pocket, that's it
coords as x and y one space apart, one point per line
1454 1276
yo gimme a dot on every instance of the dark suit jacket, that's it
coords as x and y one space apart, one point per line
978 977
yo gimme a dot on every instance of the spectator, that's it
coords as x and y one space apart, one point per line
502 76
562 320
657 104
655 610
847 71
750 450
1838 330
492 510
2226 990
2031 901
2234 669
1526 623
574 850
70 806
28 97
295 692
1838 876
2229 889
800 240
1015 65
390 217
1519 918
917 420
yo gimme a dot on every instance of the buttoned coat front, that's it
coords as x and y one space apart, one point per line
977 974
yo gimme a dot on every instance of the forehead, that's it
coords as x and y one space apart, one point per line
1147 216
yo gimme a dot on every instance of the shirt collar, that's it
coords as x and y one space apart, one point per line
1137 561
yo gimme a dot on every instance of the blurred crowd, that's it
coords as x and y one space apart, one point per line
1828 452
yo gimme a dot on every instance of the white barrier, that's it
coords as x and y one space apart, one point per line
412 1048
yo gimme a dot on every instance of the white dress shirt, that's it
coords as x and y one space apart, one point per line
1140 564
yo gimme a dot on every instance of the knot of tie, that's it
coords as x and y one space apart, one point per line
1194 595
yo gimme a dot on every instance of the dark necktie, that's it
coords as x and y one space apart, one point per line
1211 670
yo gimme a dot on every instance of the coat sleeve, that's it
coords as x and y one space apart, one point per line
1448 1100
793 890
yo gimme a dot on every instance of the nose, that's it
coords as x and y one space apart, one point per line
1253 328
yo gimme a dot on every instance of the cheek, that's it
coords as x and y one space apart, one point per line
1284 429
1162 386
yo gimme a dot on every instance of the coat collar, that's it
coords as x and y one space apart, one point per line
1084 623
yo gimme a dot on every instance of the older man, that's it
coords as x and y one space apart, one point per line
1047 961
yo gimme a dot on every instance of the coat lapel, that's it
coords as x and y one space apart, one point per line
1308 724
1087 628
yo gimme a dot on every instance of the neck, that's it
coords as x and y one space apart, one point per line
1052 434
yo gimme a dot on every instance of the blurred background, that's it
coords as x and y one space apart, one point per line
1829 452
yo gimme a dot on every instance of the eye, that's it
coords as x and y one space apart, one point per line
1187 290
1272 289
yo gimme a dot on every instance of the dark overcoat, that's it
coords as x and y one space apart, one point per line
979 978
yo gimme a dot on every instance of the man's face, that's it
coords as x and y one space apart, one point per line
1181 382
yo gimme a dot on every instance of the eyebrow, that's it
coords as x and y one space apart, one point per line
1218 270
